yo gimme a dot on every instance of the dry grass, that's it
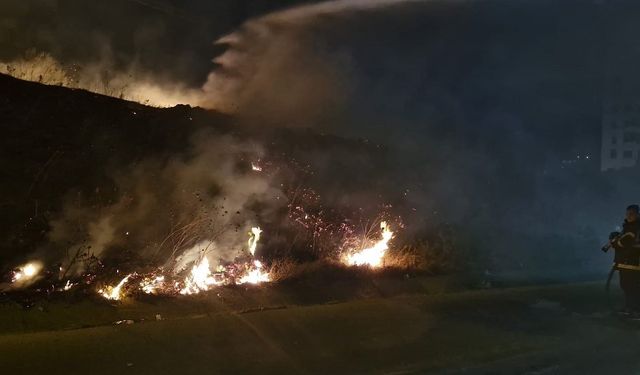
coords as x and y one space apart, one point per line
434 257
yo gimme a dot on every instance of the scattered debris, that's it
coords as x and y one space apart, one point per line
126 322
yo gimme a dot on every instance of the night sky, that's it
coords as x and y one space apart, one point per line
539 63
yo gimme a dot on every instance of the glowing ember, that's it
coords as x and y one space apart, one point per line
114 293
26 272
150 285
255 275
68 285
254 237
373 255
200 278
256 167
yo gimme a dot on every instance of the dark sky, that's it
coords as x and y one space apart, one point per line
535 67
538 68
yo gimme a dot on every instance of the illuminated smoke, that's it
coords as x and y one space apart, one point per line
304 13
132 84
170 210
260 54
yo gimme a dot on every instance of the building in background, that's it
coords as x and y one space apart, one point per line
620 132
621 89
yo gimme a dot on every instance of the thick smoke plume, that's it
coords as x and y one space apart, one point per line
483 106
282 69
205 198
332 8
155 52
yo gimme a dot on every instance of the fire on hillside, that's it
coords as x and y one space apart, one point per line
200 276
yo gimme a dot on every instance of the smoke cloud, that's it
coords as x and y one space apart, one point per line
207 197
490 110
155 52
132 84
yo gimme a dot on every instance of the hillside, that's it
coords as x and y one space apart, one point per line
60 143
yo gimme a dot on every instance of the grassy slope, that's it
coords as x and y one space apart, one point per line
59 143
561 329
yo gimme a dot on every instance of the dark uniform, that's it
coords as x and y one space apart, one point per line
627 258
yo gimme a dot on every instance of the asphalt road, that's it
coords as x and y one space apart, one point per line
537 330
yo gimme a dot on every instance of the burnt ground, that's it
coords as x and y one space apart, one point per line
416 326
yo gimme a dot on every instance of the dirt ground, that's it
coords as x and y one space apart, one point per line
566 329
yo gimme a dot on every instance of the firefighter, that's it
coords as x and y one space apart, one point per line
627 259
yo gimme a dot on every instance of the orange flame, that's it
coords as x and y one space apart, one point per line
200 278
255 275
114 292
373 255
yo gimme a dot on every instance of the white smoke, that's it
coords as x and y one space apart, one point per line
278 68
334 7
102 77
276 51
165 208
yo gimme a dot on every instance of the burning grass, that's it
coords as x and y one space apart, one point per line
195 240
201 277
248 270
371 256
375 256
174 222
